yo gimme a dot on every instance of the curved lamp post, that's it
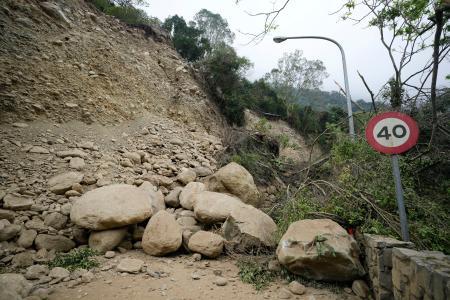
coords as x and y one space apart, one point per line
280 39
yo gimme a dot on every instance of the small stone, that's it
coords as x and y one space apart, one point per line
55 220
361 289
110 254
17 202
195 276
130 265
196 257
36 272
77 163
284 294
23 259
39 150
19 125
220 281
296 288
26 238
59 273
87 277
187 176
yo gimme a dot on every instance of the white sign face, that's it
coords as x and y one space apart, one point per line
391 132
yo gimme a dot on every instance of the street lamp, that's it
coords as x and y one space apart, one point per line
280 39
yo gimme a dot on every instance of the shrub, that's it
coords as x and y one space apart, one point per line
356 189
76 259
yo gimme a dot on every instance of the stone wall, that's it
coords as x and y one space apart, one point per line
378 250
420 275
396 271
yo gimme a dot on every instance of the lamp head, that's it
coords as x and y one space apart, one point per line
279 39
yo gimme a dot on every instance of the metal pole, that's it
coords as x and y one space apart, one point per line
351 126
399 194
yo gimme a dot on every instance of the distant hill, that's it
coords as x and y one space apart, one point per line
324 101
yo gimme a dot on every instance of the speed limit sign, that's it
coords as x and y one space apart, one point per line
392 132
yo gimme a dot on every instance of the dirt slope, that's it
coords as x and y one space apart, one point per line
79 64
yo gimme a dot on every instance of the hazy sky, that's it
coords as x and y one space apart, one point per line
362 46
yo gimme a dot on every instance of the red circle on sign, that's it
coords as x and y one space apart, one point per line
405 146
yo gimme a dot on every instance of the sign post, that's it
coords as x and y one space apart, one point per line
394 133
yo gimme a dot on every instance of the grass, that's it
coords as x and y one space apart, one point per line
255 273
75 259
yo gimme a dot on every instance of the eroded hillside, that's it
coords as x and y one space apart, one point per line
74 63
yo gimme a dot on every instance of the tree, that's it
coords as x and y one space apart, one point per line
296 73
214 28
223 71
186 38
406 29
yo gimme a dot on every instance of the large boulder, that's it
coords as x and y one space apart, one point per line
206 243
248 227
236 180
56 242
111 206
106 240
14 286
156 196
320 250
61 183
162 235
212 207
189 191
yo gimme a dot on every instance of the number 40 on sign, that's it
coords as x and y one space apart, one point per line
394 133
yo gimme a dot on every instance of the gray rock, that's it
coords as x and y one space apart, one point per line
55 220
59 273
23 259
188 194
61 183
36 272
56 242
157 197
106 240
296 288
72 153
111 207
361 289
17 202
7 214
186 176
130 265
186 221
39 150
172 199
15 286
133 156
206 243
202 171
26 238
77 163
110 254
8 231
284 294
220 281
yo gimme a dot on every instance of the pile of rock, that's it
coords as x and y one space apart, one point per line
127 216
